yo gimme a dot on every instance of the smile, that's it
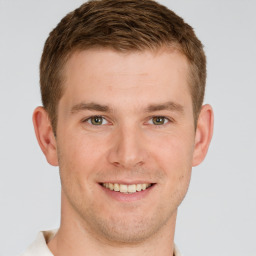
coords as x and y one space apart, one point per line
126 189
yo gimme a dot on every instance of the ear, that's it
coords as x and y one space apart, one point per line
204 133
45 135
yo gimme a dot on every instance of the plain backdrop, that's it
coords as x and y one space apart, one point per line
218 216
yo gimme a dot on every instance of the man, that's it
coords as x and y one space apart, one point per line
122 85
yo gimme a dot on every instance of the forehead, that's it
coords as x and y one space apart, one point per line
89 74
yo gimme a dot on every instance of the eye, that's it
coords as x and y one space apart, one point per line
96 120
158 120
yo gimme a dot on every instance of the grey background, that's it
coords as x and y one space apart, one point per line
218 215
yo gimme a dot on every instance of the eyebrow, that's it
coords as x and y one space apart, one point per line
171 106
90 106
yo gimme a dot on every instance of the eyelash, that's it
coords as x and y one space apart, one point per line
167 120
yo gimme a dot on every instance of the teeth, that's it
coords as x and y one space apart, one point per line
116 187
131 188
127 189
138 187
123 188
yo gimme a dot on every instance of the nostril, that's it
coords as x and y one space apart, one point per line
117 164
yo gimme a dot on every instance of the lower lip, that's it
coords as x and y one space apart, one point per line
116 195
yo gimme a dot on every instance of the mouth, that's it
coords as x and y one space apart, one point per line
127 189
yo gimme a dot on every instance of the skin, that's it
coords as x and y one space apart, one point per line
128 147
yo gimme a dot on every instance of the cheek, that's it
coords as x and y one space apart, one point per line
78 160
175 151
80 152
174 157
79 157
176 160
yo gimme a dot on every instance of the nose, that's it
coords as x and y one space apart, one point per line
127 148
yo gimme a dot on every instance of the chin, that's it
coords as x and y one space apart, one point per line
131 229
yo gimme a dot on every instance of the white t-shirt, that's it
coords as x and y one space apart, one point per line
39 246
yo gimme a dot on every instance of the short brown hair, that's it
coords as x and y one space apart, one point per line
122 25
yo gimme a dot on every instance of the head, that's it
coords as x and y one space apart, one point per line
122 85
123 26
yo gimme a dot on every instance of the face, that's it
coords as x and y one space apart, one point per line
125 124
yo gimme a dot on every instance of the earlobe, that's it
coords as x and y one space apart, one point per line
204 133
45 135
